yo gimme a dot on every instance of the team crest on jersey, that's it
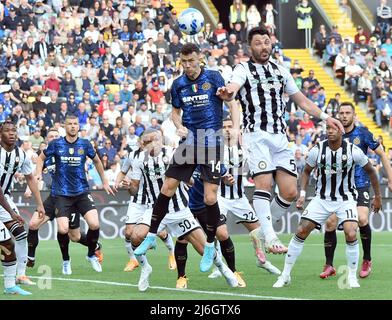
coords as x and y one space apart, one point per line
357 141
71 150
80 151
195 88
262 165
277 72
206 86
344 157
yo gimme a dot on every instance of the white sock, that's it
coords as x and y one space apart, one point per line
295 248
141 259
352 256
279 207
128 246
168 241
261 203
218 249
9 274
21 254
218 260
255 237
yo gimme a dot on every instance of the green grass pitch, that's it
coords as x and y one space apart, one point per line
114 284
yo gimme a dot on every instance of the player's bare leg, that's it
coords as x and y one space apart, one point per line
352 252
20 236
366 239
132 263
330 242
282 201
294 250
261 203
32 237
168 241
92 237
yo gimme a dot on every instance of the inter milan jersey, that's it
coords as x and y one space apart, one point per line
69 178
364 139
196 192
202 109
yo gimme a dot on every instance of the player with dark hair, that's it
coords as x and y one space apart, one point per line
70 186
364 139
193 95
13 159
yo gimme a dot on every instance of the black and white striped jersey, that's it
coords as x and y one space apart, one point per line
335 170
151 173
234 163
141 197
262 95
10 163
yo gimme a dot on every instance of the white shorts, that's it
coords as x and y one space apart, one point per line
268 152
179 223
4 233
138 214
241 208
319 210
4 215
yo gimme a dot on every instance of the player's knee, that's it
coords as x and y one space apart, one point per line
128 233
289 194
210 199
222 234
302 232
351 234
363 220
93 225
74 236
169 187
62 229
137 238
330 225
34 224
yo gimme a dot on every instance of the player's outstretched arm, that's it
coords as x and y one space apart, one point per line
304 182
39 166
386 164
309 107
236 118
120 177
33 185
105 182
4 203
377 204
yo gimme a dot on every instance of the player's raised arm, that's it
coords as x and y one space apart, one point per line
101 172
377 204
235 113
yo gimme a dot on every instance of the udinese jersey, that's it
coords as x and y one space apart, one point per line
10 163
364 139
69 178
234 163
202 108
262 95
150 171
141 196
196 192
335 170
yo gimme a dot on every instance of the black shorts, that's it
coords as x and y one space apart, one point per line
50 211
186 158
363 199
80 204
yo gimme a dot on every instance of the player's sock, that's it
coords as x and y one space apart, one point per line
128 246
181 254
279 207
228 253
366 238
212 219
20 236
9 268
295 248
329 246
161 207
255 236
352 255
261 203
92 239
83 239
142 259
168 241
32 243
63 240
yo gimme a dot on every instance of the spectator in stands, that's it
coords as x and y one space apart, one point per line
383 108
132 140
238 14
335 35
108 150
385 73
92 128
307 124
384 16
358 56
293 124
383 56
332 51
345 8
353 72
320 41
138 125
365 87
269 17
361 33
253 17
220 35
299 161
341 62
387 45
313 82
36 139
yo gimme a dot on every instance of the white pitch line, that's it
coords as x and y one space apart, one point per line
240 295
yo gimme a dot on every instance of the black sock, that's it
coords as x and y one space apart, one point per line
63 240
202 221
181 254
329 246
366 238
32 242
83 239
212 220
92 239
228 252
158 213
